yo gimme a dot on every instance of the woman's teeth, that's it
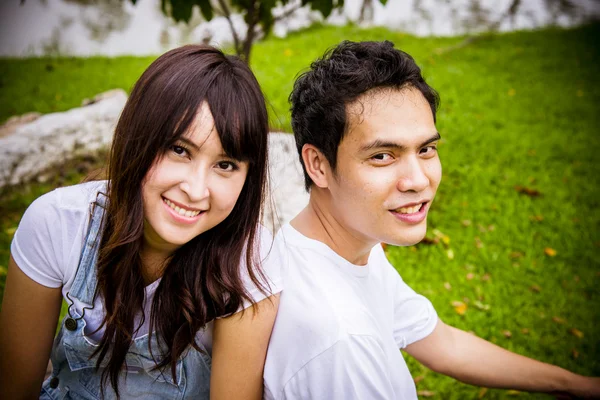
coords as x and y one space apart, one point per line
181 211
409 210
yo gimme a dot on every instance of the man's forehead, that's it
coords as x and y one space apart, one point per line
389 115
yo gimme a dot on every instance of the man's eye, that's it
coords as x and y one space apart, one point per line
382 157
227 166
429 150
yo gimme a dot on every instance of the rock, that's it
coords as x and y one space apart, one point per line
286 182
54 138
13 122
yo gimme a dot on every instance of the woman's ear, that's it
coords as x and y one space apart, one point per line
317 166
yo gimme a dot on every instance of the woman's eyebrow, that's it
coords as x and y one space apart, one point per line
189 143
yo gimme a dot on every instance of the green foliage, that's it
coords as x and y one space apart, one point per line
255 12
518 117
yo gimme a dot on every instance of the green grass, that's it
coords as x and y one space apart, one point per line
518 109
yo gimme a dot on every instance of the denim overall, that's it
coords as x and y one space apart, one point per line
74 374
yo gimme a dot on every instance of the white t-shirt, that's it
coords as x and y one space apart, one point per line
340 326
48 243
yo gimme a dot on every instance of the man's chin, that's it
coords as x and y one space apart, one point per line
407 239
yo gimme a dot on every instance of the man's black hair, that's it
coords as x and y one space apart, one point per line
344 73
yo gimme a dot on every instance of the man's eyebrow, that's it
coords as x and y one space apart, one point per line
432 139
383 144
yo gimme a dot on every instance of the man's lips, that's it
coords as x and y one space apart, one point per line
412 213
410 208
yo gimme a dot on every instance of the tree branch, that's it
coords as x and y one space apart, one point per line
227 14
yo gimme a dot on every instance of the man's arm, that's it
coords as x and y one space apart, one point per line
472 360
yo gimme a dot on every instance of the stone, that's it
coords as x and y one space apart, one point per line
286 182
52 139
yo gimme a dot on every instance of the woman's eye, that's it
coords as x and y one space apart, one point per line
227 166
179 150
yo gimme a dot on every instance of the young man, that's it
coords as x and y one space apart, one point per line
364 122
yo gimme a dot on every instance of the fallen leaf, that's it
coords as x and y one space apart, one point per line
527 191
525 331
535 288
478 242
425 393
459 307
447 285
576 332
427 240
550 251
575 354
486 277
442 236
419 379
536 218
491 228
558 320
466 222
470 276
507 334
481 306
482 392
450 254
515 255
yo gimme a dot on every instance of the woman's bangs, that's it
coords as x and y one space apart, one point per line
237 115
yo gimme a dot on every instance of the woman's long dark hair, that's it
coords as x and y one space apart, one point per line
202 279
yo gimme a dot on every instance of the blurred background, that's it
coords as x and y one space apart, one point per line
512 252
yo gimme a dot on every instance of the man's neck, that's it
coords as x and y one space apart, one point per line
317 222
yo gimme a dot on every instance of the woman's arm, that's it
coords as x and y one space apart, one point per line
239 351
472 360
27 325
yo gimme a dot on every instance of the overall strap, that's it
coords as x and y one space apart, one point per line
86 278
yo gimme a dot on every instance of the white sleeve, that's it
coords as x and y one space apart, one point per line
353 368
37 246
270 265
414 315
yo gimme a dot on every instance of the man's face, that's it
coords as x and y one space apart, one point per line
388 169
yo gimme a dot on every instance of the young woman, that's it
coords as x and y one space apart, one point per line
157 263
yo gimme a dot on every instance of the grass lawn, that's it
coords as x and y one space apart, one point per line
512 249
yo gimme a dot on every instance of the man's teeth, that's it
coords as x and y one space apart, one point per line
181 211
409 210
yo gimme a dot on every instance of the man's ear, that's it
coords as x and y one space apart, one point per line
317 166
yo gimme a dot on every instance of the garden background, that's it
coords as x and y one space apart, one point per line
513 242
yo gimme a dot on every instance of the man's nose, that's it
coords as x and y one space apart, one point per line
413 176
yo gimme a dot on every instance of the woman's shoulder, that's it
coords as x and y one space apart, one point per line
77 197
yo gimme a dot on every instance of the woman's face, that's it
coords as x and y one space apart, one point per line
192 188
